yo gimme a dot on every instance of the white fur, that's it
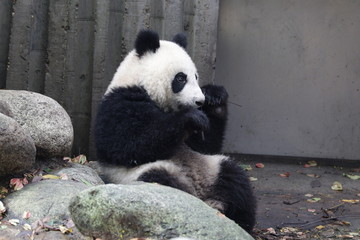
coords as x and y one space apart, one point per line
198 172
155 72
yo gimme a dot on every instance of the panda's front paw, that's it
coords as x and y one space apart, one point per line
215 95
196 120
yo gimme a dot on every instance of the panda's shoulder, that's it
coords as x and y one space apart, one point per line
133 93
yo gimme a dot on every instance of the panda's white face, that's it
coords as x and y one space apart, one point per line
168 75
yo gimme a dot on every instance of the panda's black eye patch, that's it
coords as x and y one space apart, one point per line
179 82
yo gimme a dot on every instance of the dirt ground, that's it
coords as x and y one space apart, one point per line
297 199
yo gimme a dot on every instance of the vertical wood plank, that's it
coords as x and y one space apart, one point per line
17 74
55 77
108 52
80 72
38 44
188 24
157 16
5 26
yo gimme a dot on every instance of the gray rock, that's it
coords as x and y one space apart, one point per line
149 210
47 198
48 123
5 109
81 173
17 149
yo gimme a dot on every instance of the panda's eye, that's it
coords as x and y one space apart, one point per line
179 82
180 78
196 76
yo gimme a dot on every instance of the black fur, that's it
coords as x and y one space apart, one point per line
179 82
234 189
162 177
146 40
215 107
132 130
180 39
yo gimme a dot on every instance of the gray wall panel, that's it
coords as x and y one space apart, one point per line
294 67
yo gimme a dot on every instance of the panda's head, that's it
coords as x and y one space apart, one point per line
163 69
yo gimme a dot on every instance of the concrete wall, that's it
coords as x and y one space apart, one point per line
292 69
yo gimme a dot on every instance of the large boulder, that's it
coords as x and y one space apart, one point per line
149 211
47 122
47 201
17 149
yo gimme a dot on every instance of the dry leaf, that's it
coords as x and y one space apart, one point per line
27 227
311 210
252 179
271 231
246 167
320 227
313 200
309 195
50 176
26 215
312 163
14 222
350 200
353 177
337 186
2 208
16 183
287 174
64 229
259 165
312 175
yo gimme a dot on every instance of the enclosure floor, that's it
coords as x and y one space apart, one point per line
283 201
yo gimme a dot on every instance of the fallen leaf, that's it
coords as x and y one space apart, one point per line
344 236
14 222
3 192
246 167
252 179
81 159
271 231
311 210
353 177
312 163
309 195
220 214
313 200
287 174
320 227
63 176
64 229
312 175
2 208
27 227
50 176
337 186
350 200
259 165
16 183
26 215
288 230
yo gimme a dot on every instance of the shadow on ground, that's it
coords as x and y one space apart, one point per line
296 198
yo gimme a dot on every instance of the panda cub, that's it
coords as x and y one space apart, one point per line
155 124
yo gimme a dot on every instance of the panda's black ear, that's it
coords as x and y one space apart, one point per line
180 39
146 40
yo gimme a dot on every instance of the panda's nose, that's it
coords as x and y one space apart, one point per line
199 103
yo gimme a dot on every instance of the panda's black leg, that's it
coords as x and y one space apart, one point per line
215 107
234 190
162 177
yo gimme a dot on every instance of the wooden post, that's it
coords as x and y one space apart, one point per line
38 44
5 26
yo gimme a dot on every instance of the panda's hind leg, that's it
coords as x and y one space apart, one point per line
163 177
234 189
